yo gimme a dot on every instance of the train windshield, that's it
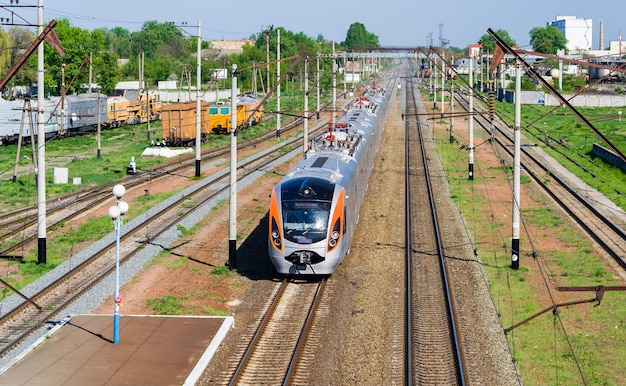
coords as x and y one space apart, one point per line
306 204
305 222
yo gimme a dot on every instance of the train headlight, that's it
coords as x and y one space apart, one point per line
276 236
334 235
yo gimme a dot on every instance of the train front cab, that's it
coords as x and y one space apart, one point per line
219 118
117 111
306 227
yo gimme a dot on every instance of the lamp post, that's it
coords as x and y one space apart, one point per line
116 212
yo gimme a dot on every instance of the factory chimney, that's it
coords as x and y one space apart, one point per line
601 35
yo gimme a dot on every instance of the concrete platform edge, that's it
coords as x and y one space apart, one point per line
34 345
197 371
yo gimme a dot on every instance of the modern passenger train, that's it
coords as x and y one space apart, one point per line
315 207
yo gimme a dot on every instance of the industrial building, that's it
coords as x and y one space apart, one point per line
577 31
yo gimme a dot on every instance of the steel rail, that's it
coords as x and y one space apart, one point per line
448 296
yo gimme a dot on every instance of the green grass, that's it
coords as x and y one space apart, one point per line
221 271
177 262
183 231
63 246
541 348
79 155
572 141
117 148
168 305
215 312
542 217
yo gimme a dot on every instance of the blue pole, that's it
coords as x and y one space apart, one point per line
116 315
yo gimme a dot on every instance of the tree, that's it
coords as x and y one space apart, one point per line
21 38
489 43
5 53
457 50
118 41
167 52
107 72
153 38
358 37
77 44
547 40
290 44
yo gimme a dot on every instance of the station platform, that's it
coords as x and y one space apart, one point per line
152 350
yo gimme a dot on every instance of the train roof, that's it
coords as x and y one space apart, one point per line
247 98
307 186
182 106
11 114
85 96
335 153
117 98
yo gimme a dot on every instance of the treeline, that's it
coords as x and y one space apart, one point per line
168 54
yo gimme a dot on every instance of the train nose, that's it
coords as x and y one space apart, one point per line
303 257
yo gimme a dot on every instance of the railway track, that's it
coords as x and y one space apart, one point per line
19 322
20 225
611 237
434 355
274 352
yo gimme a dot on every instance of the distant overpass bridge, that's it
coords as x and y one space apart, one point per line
399 52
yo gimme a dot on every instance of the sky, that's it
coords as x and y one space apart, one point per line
397 23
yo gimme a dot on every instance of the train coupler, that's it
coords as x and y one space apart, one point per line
304 257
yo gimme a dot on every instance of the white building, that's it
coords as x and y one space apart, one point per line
616 48
352 73
577 31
